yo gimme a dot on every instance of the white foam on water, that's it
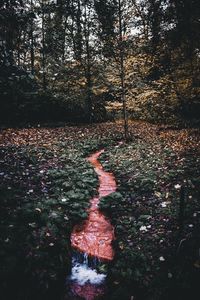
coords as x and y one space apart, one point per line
82 274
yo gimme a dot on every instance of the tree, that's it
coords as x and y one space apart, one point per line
83 46
111 16
12 22
122 70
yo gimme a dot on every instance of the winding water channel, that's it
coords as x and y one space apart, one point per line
92 240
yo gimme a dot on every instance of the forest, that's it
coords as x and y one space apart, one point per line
80 60
99 149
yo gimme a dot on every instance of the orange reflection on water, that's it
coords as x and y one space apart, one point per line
87 291
95 235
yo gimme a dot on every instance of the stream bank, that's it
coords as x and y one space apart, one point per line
93 239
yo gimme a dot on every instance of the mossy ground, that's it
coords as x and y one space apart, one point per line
46 185
157 242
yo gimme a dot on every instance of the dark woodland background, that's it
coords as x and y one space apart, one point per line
74 60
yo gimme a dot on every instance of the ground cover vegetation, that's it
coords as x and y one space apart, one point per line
46 185
155 212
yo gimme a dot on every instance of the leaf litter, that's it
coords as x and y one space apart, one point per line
46 185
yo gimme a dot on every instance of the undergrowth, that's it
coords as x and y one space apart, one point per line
153 258
46 185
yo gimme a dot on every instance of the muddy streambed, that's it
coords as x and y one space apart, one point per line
92 241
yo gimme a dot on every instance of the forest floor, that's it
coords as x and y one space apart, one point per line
46 185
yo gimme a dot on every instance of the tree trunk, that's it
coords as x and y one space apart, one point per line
43 49
122 73
79 32
88 67
32 43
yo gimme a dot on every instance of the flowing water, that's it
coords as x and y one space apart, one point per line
92 241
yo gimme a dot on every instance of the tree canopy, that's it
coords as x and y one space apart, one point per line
70 60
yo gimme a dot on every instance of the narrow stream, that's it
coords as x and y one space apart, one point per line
92 240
